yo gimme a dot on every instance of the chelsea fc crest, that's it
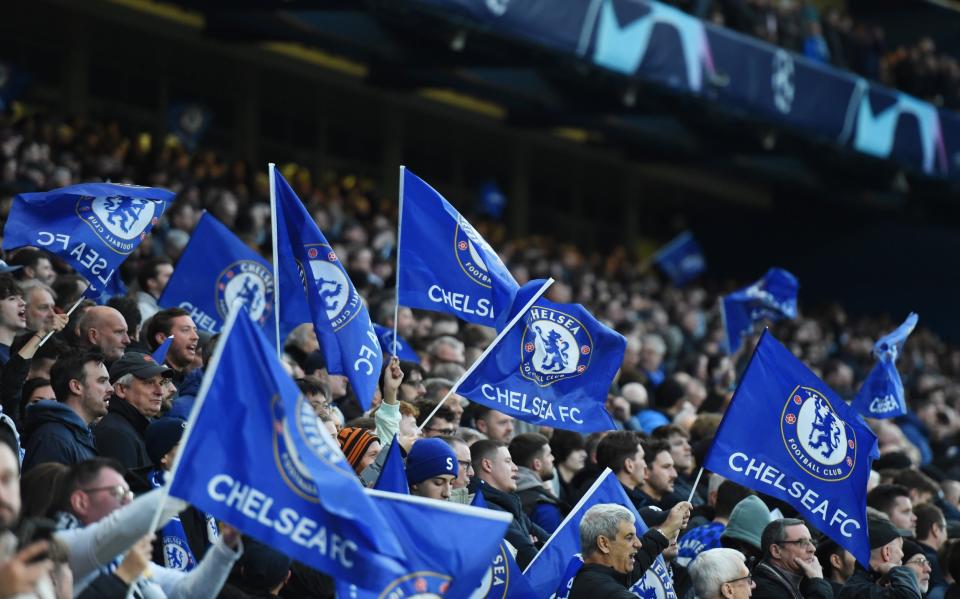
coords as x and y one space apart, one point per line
555 346
418 585
467 244
822 444
339 299
251 283
314 436
120 222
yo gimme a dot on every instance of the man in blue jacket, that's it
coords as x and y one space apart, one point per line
59 431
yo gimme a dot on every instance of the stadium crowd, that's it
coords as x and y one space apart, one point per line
98 423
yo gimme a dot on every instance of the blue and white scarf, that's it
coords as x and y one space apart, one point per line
177 554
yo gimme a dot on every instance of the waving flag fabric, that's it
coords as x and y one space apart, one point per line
881 395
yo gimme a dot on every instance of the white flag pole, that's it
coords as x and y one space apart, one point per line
396 274
276 259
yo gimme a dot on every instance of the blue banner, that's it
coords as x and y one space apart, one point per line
13 80
93 227
773 297
553 569
681 259
444 265
552 368
881 395
403 349
504 579
255 455
788 435
393 475
215 270
188 121
492 200
449 547
326 297
160 354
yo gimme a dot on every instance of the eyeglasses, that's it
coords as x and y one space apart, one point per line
443 431
465 464
918 560
747 578
119 492
800 542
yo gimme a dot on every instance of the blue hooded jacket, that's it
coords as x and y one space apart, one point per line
55 433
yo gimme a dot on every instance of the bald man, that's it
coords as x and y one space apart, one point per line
104 328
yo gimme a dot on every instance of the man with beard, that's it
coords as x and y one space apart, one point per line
175 322
533 456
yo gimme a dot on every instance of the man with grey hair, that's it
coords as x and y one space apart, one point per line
721 573
446 349
789 568
614 557
41 301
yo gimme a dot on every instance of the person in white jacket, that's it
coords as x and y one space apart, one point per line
100 520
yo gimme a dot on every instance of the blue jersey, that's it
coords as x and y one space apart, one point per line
698 539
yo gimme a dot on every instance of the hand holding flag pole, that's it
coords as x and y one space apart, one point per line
69 312
477 362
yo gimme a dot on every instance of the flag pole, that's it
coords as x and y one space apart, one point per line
396 274
476 363
695 483
69 312
276 259
195 411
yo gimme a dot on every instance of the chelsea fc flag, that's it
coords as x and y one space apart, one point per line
552 368
315 287
91 226
681 259
774 297
215 270
255 455
881 395
443 264
788 435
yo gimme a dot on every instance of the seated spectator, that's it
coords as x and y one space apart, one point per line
837 563
534 459
707 536
931 536
432 468
894 501
915 560
41 301
460 492
495 425
886 555
721 573
657 487
152 278
747 521
789 567
570 456
103 328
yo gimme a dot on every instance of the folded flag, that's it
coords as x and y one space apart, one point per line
552 368
681 259
255 455
93 227
443 264
215 270
881 395
772 297
403 349
788 435
315 287
393 475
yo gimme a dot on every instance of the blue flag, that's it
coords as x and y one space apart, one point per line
504 579
93 227
553 569
393 475
216 269
255 455
881 395
492 200
552 368
773 297
326 297
404 351
444 265
113 288
160 355
188 121
788 435
449 546
681 259
13 80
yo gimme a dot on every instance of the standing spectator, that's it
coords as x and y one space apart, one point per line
678 440
721 573
747 521
152 279
814 45
652 352
660 475
104 328
442 422
460 492
176 322
41 301
789 567
12 314
60 431
622 452
137 398
534 459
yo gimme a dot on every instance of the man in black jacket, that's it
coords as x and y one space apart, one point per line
496 477
789 569
59 431
532 454
886 578
138 395
614 557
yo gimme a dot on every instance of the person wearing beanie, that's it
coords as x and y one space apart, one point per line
263 571
431 468
885 577
184 540
746 524
360 446
789 568
915 559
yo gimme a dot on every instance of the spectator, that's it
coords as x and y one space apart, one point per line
432 468
721 573
886 555
496 478
60 431
744 529
12 315
40 300
495 425
622 452
442 422
534 459
412 387
127 307
445 349
931 537
137 398
152 278
652 353
837 564
707 536
360 446
678 439
894 501
570 456
263 571
175 322
789 567
660 475
460 492
103 328
915 560
33 264
37 389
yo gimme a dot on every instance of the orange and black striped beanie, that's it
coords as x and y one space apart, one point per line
354 442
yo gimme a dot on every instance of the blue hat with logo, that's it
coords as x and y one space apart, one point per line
429 458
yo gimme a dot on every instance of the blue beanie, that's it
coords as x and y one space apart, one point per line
429 458
161 436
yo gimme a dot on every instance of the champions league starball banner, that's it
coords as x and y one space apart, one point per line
443 264
256 455
215 270
788 435
553 368
92 226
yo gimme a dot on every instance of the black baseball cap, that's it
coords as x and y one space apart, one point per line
139 365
